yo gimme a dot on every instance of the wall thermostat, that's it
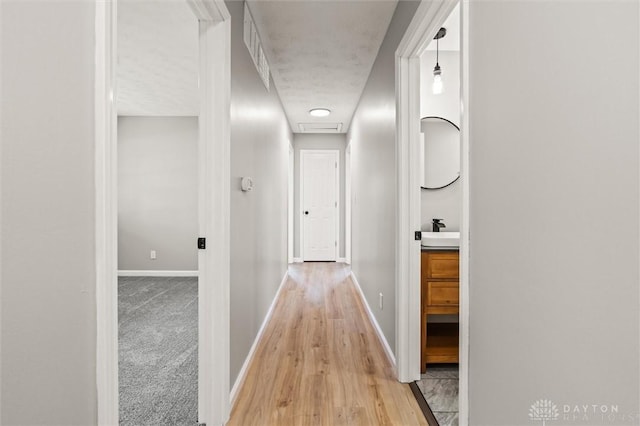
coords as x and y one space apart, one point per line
246 183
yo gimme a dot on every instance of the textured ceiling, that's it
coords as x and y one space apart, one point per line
157 58
321 53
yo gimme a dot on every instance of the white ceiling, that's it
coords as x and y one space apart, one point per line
451 41
157 58
321 53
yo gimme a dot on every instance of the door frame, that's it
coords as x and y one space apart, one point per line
426 22
290 205
214 201
300 197
347 204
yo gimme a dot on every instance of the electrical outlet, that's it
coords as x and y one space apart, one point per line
381 300
152 255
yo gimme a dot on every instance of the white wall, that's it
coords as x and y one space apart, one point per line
442 203
373 171
311 142
260 139
48 248
158 193
554 130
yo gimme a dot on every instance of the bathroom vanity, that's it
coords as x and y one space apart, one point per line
440 296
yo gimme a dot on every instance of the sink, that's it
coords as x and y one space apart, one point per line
441 239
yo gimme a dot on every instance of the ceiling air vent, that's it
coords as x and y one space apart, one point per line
320 127
253 43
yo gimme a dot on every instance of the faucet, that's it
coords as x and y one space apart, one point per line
437 224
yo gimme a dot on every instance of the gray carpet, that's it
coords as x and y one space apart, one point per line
158 350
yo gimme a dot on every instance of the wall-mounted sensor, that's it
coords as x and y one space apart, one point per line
246 184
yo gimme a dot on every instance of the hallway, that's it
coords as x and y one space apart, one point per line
320 361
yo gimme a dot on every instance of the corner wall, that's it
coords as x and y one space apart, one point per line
260 139
373 169
554 131
48 304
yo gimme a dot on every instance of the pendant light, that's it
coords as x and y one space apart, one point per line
437 72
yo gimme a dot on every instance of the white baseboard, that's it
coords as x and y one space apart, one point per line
157 273
242 375
387 349
297 260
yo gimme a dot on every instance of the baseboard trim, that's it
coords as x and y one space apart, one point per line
242 375
297 260
125 273
341 260
383 340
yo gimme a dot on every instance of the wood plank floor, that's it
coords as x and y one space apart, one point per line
320 361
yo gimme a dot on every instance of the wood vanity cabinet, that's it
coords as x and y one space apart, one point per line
440 296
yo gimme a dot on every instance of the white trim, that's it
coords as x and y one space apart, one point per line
106 214
210 10
242 375
1 127
214 177
213 299
145 273
465 275
408 221
383 340
290 206
338 204
300 208
427 20
347 204
301 198
341 260
298 260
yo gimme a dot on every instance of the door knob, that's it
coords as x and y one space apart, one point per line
306 212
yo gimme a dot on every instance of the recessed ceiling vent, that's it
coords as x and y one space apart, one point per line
320 127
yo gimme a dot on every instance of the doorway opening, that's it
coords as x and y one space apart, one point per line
440 213
445 315
328 186
212 27
157 136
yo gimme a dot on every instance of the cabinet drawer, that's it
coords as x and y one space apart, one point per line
443 265
442 293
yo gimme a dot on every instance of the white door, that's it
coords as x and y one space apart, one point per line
319 203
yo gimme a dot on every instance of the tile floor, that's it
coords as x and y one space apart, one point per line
439 385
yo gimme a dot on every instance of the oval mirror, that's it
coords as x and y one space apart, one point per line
440 152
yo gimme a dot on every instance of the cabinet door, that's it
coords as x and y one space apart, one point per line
443 265
442 293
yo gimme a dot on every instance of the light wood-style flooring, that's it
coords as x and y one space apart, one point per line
320 362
